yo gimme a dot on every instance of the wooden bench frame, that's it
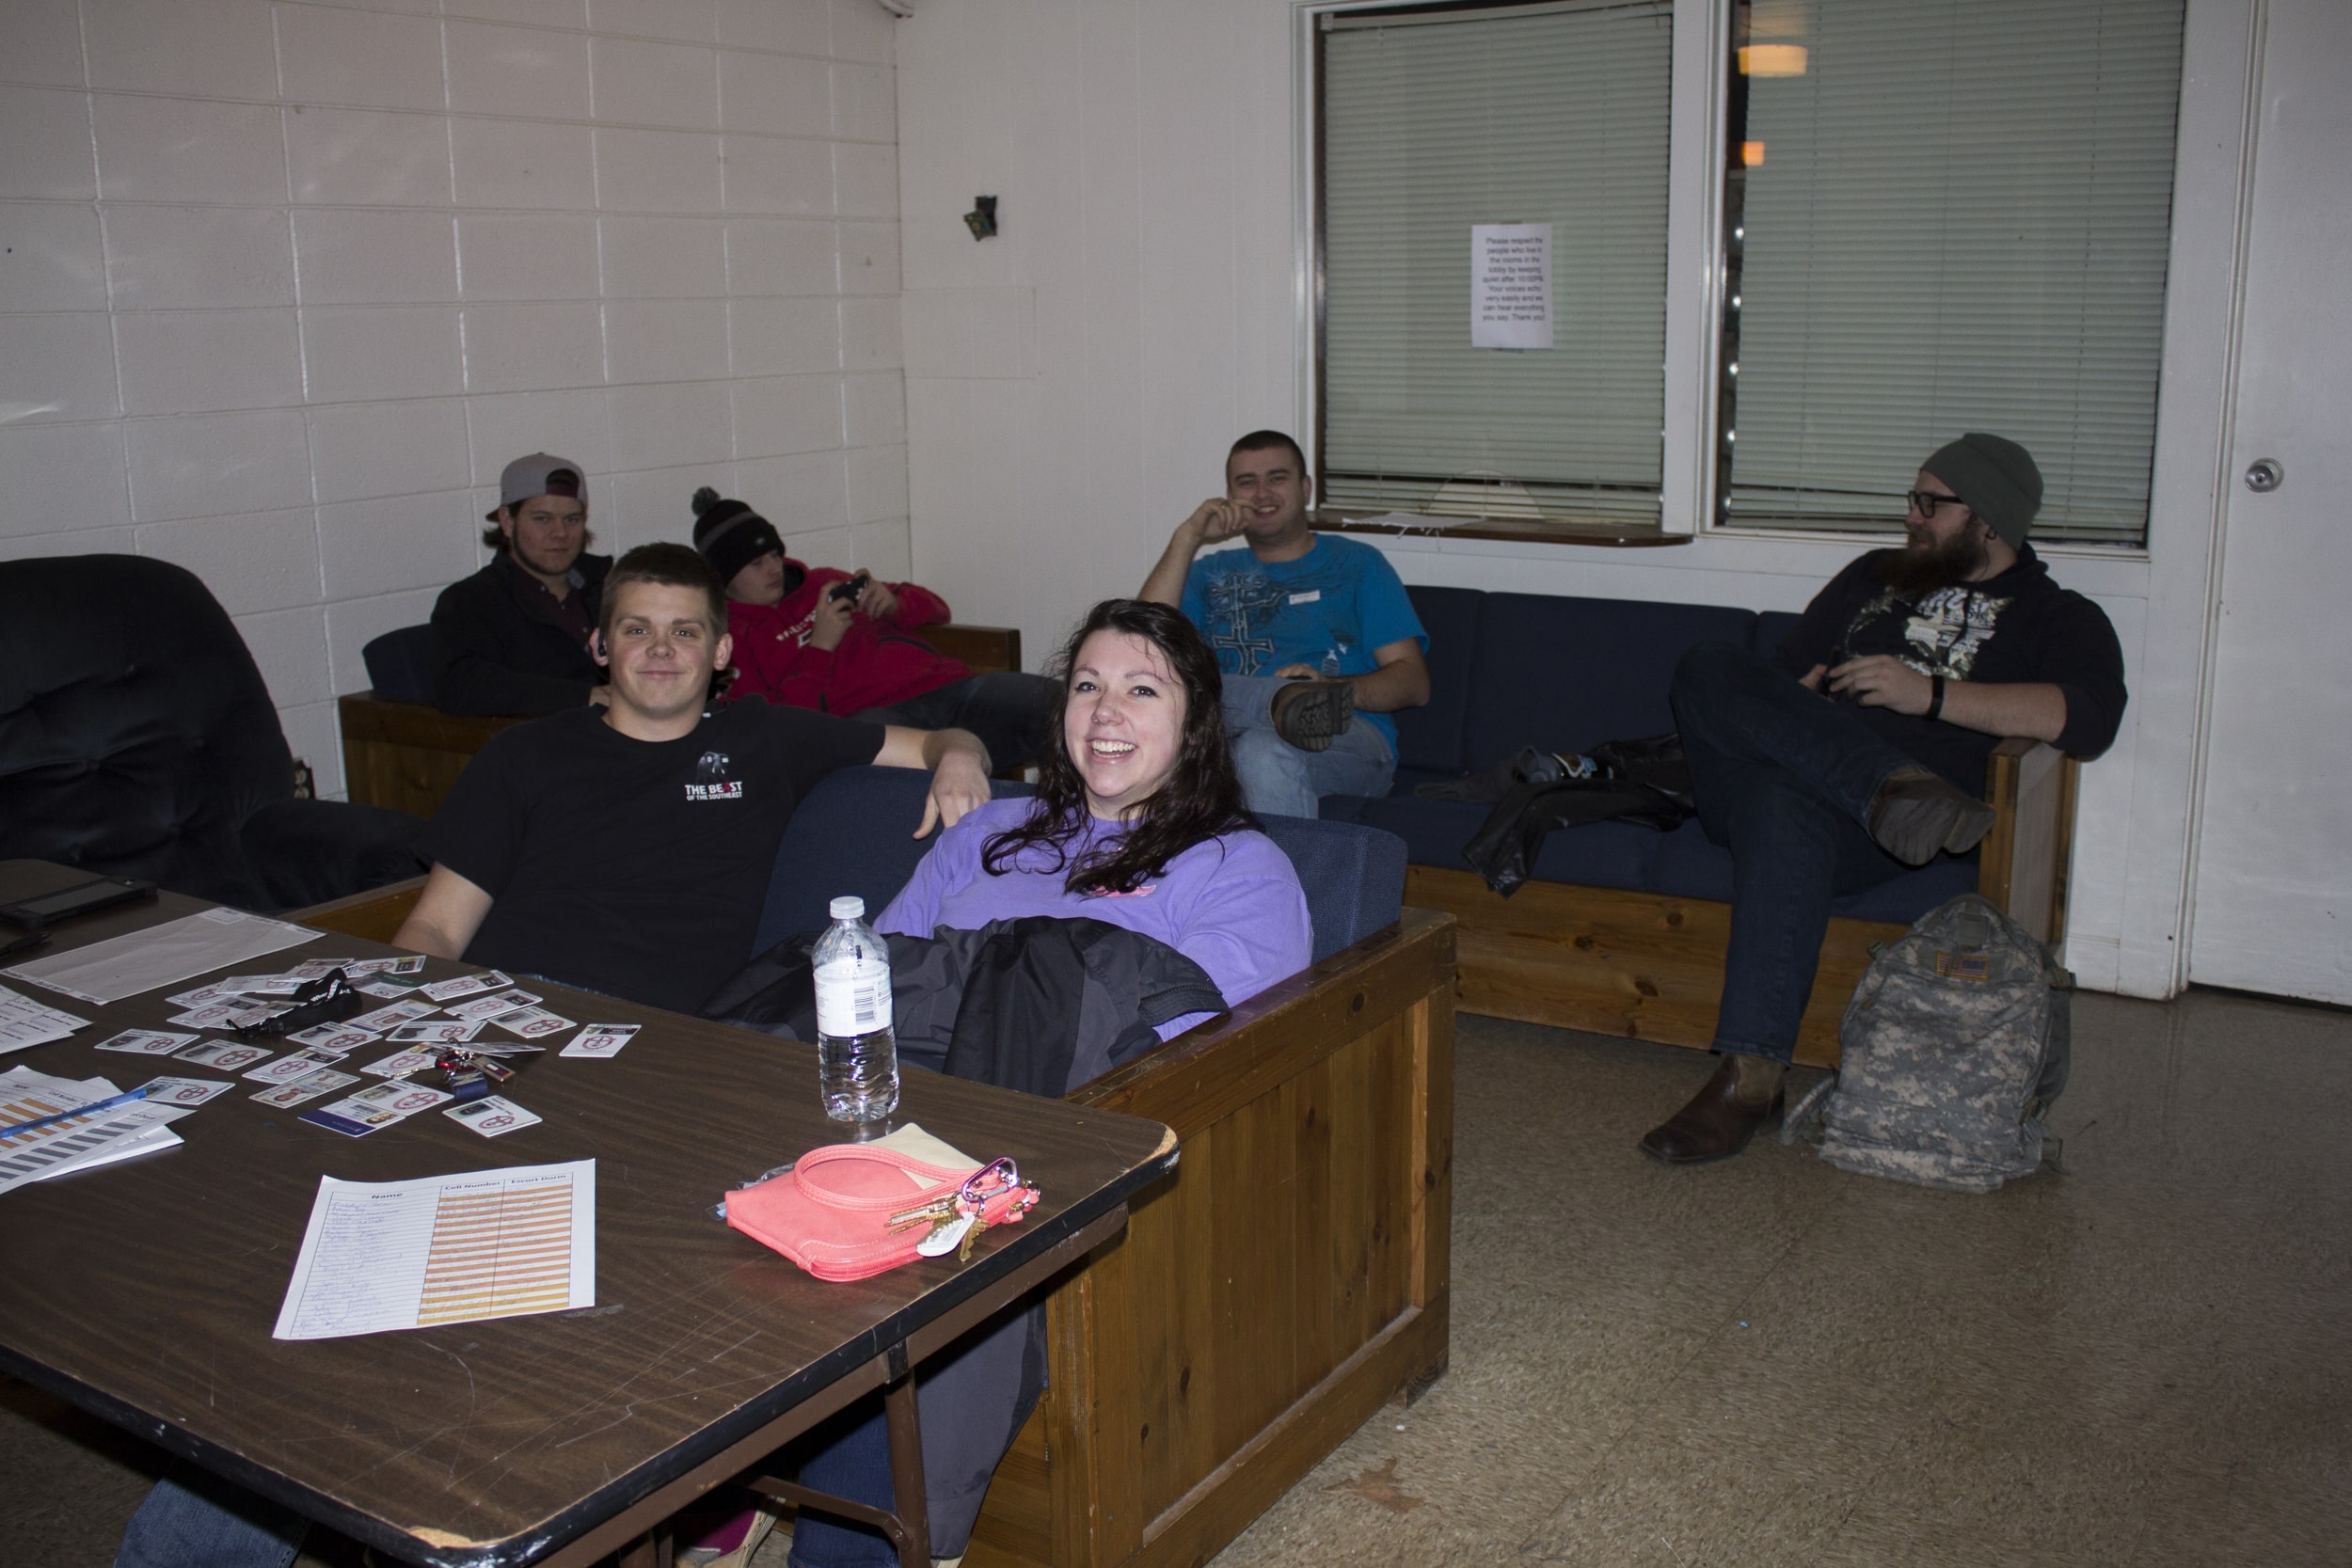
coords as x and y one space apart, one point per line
1650 966
1289 1279
406 755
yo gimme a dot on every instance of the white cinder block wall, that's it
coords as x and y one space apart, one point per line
284 285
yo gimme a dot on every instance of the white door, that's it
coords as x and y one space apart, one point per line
2272 903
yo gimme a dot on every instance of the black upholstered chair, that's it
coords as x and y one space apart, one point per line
136 739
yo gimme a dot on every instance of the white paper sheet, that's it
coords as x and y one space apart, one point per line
444 1249
1510 285
162 955
24 1022
77 1143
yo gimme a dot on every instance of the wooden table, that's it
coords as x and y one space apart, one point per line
145 1291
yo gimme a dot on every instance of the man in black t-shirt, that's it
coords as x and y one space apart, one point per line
626 848
1861 750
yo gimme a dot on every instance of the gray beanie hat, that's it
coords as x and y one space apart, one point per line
1995 478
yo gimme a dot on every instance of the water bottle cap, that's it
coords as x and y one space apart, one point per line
847 906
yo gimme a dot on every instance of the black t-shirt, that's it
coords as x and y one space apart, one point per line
634 867
2016 627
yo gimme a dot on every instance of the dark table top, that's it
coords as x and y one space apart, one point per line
146 1290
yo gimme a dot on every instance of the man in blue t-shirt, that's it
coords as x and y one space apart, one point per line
1314 634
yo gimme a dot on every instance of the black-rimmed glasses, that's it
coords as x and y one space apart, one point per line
1925 502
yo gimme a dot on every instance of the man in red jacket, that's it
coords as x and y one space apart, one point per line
822 638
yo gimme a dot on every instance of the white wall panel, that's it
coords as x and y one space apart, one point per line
287 284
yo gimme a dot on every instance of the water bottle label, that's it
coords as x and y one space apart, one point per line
852 998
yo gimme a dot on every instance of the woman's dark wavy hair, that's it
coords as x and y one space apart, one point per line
1200 799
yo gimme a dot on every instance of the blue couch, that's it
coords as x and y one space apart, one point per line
1514 670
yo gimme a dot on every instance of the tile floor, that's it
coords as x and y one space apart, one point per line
2144 1361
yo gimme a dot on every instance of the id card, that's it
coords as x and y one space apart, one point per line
394 1016
467 984
601 1040
146 1042
400 1064
340 1038
485 1007
492 1115
441 1031
302 1090
531 1023
184 1091
287 1068
400 1098
223 1057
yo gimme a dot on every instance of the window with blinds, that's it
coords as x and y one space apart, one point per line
1945 215
1434 121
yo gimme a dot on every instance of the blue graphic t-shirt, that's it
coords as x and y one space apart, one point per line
1329 608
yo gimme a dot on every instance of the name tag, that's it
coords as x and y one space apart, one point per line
1311 596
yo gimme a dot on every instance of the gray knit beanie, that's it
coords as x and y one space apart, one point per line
1995 478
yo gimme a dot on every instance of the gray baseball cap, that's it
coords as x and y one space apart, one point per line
540 474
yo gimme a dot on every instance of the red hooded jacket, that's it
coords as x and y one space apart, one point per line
876 664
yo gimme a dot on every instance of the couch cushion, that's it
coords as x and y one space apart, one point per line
1771 627
400 665
1354 876
1689 864
1567 674
1429 739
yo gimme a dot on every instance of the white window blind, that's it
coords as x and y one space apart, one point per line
1433 122
1960 222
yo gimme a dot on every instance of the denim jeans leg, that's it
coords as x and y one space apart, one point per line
1013 713
194 1519
1729 701
1279 780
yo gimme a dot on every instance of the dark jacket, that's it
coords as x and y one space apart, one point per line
498 646
1040 1003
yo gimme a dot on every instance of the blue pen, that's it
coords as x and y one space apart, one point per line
14 1128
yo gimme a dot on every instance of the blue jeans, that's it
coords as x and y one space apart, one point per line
194 1519
1784 779
1279 779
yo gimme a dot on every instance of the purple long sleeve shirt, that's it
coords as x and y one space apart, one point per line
1233 905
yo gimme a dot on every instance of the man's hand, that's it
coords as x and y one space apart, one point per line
1882 680
959 785
875 602
1296 673
829 622
1212 522
959 767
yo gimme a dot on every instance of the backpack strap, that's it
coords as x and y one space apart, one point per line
1807 1110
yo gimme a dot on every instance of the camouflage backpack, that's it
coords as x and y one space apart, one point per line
1953 1048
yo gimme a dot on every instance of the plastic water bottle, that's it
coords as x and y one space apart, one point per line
857 1050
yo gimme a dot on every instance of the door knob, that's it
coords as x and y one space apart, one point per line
2264 475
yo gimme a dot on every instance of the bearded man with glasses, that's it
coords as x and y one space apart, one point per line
1859 749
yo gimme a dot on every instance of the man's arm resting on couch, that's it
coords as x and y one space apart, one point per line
448 911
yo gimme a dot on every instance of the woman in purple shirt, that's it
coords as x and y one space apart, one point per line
1136 821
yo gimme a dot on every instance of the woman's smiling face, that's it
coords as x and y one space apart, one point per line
1124 723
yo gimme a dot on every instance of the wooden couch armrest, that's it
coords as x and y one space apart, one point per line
2022 866
372 916
984 648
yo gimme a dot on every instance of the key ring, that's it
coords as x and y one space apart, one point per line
975 1189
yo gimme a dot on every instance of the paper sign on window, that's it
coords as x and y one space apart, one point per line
1510 285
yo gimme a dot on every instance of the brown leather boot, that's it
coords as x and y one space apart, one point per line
1916 812
1742 1094
1308 713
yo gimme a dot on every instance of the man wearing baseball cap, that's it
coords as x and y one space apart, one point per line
513 638
1858 750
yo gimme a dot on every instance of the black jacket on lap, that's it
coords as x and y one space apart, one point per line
498 646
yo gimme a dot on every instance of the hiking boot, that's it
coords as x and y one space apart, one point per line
1916 812
1308 713
1741 1095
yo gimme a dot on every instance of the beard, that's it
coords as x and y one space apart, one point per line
1916 570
